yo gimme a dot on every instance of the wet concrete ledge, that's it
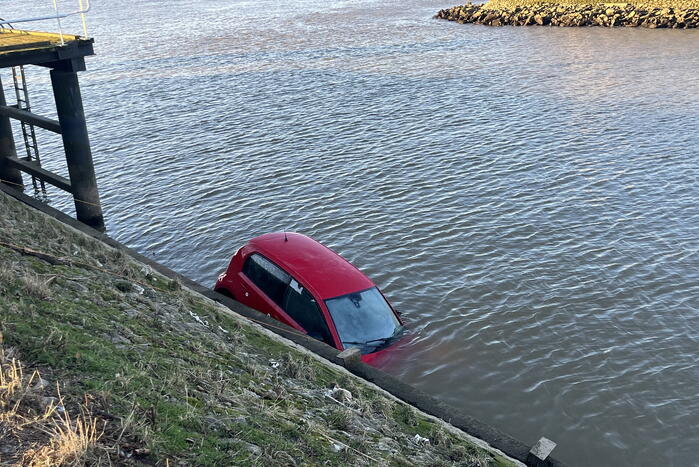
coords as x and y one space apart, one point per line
419 399
574 15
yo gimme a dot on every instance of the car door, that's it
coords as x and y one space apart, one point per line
301 306
264 284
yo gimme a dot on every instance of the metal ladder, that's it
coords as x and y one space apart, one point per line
30 144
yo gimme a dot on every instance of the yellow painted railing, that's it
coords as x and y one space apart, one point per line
83 8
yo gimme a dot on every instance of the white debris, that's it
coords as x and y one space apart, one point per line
196 317
336 447
274 364
340 394
139 289
420 440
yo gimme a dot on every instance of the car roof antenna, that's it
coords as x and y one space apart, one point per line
285 238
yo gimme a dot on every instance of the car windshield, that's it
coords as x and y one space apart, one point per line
363 319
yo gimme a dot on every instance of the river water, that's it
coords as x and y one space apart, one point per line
527 197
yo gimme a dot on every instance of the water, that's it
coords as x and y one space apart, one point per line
525 196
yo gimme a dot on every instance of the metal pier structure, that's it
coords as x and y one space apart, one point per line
64 55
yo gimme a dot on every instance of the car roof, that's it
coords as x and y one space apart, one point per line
313 264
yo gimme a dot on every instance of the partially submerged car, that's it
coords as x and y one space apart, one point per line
309 287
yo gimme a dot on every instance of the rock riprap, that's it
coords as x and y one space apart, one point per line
556 14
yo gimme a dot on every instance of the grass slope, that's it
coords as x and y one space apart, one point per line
170 378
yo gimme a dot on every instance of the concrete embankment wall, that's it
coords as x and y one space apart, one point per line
494 438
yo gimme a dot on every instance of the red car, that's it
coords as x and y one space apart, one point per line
304 284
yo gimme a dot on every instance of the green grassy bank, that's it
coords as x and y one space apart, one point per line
105 361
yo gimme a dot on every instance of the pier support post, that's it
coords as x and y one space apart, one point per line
11 175
66 92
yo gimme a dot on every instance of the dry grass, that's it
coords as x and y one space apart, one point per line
6 275
32 284
36 286
12 384
69 442
35 430
294 367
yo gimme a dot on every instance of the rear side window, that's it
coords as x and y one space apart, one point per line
302 307
267 276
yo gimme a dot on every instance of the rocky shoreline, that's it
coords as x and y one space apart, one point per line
569 15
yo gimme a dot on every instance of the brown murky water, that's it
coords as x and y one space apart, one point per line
526 196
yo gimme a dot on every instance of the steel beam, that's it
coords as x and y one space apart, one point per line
31 118
49 56
32 168
66 92
10 175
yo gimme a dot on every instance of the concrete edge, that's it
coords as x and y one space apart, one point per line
497 439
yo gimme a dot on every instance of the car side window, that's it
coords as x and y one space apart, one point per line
302 307
267 276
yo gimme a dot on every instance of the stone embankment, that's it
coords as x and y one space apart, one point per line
556 14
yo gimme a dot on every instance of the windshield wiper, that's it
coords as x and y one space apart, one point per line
380 339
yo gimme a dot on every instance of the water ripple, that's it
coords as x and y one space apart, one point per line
526 196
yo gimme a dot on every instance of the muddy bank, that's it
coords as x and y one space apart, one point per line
569 15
